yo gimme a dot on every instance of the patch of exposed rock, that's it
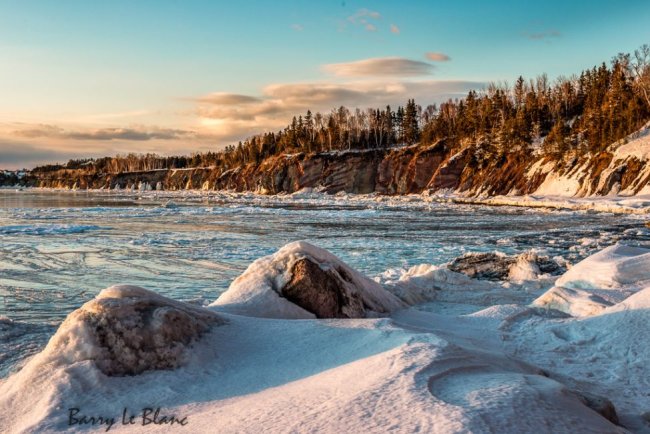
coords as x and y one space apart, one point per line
127 330
497 266
328 293
600 405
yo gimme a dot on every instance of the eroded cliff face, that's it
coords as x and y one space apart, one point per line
406 170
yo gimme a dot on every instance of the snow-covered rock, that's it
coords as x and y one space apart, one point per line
599 281
303 281
498 266
126 330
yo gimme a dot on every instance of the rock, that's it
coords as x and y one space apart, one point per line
127 330
325 293
487 266
600 405
302 281
646 416
497 266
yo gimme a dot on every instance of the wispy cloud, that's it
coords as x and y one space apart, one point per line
297 27
28 145
437 57
394 29
102 134
380 66
362 15
364 18
543 35
228 98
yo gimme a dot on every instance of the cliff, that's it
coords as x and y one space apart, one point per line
621 169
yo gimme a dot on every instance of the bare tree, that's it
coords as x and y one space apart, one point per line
641 70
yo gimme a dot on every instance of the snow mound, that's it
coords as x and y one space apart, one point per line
599 281
613 267
575 302
424 282
638 301
126 330
302 281
607 350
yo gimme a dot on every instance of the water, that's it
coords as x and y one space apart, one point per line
59 249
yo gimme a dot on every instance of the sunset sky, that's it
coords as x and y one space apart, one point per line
86 79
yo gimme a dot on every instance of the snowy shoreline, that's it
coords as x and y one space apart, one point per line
392 360
639 204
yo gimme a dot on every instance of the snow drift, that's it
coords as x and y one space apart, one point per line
339 375
601 280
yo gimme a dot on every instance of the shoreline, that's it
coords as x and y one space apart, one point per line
638 205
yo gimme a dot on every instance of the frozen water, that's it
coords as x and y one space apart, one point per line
58 249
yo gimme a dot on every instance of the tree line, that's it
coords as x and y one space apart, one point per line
573 115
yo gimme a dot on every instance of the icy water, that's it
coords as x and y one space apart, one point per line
58 249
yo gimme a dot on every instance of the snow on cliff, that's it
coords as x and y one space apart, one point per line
303 281
636 145
578 179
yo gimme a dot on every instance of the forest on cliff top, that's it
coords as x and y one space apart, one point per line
570 116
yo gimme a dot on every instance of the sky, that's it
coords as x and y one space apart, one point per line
88 79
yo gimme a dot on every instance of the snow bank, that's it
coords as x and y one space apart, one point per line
599 281
607 351
424 282
639 204
312 376
414 371
303 281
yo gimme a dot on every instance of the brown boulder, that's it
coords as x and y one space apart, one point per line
325 293
130 330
